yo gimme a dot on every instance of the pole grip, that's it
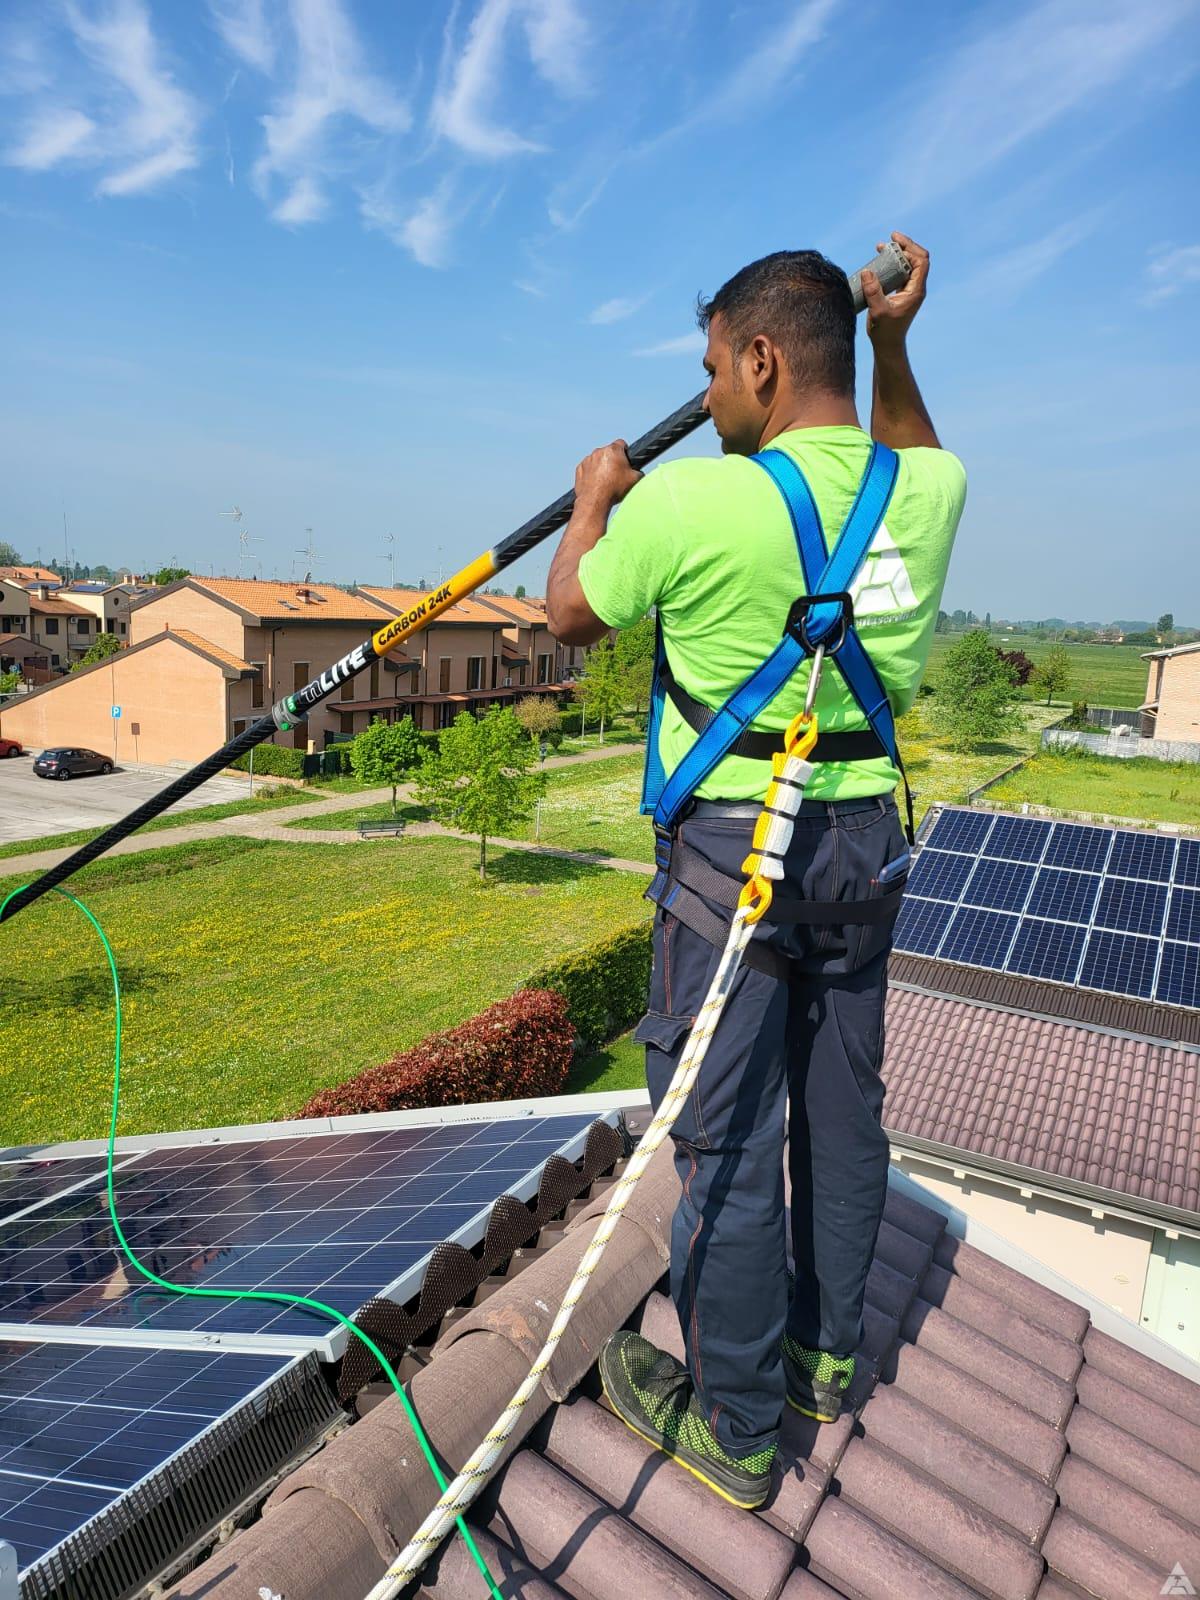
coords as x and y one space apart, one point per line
891 266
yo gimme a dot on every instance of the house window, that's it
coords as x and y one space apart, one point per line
374 680
83 623
123 627
495 670
444 675
474 672
543 669
299 675
447 712
51 624
256 685
348 689
239 726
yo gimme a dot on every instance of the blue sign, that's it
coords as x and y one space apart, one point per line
116 711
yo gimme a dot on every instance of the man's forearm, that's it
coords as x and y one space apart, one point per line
569 616
898 414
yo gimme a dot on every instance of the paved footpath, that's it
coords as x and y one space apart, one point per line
266 826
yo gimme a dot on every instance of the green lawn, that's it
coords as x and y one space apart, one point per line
619 1065
938 773
255 973
1102 674
268 801
1153 791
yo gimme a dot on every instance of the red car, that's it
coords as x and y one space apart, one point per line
10 747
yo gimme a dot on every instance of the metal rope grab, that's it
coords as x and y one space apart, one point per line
890 266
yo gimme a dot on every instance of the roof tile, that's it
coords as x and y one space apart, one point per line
1053 1311
1143 1467
267 598
860 1559
1133 1409
999 1320
453 1575
1106 1354
963 1463
936 1521
1032 1386
1097 1562
1099 1498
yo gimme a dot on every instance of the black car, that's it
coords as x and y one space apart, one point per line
70 763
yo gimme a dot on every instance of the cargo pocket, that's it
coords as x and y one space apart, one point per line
875 937
664 1036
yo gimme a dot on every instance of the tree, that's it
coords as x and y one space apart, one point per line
519 592
599 685
1052 673
384 752
1166 623
975 693
538 715
9 555
634 657
166 575
1020 664
10 682
107 644
943 622
482 776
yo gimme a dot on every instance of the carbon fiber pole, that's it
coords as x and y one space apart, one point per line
892 269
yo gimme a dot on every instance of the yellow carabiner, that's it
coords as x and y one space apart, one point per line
801 734
757 896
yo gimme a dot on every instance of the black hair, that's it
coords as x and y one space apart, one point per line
802 302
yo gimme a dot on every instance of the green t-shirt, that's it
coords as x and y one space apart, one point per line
709 542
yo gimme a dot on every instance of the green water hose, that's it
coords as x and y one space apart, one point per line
243 1294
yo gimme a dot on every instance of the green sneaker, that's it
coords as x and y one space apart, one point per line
652 1394
815 1380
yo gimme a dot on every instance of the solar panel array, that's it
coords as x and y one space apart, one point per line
1101 908
81 1424
339 1217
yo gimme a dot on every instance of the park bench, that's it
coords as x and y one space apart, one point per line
377 830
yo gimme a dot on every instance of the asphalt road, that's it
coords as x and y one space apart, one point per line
32 806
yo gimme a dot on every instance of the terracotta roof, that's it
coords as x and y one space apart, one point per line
210 649
398 600
283 600
529 612
1086 1104
999 1445
29 575
58 608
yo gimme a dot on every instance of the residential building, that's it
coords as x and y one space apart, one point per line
29 575
472 656
1171 710
60 628
109 603
550 661
206 656
18 653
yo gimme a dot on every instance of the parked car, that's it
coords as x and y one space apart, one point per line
73 763
10 747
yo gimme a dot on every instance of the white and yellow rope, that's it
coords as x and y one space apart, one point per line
772 835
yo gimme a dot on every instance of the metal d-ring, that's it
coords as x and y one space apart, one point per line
814 679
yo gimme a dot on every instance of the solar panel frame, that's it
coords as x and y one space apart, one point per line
1148 856
1187 864
1183 916
53 1287
1022 839
1131 905
1062 895
1032 956
1106 949
1177 981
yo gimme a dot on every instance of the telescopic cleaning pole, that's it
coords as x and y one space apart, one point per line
892 268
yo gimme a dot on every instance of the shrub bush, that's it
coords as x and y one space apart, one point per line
604 985
273 759
518 1047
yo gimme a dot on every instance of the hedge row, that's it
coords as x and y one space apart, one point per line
273 759
519 1047
603 985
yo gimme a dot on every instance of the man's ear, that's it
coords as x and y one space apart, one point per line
763 362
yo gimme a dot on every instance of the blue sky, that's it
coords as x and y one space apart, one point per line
377 268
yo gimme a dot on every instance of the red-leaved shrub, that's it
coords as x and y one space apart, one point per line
519 1047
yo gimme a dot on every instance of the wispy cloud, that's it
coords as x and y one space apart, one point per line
1169 272
244 27
142 128
687 344
1006 85
1007 274
53 136
617 309
332 81
425 229
471 76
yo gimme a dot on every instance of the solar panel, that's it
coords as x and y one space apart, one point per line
337 1217
1179 975
28 1182
1106 908
81 1424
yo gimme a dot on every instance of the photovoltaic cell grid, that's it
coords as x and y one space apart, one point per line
28 1182
1103 908
81 1424
338 1218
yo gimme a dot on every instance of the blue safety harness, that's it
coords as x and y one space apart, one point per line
822 616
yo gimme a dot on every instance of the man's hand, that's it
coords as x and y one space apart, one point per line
603 479
889 316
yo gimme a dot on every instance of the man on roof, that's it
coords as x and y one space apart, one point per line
710 545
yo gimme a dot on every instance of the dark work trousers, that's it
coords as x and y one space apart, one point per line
801 1051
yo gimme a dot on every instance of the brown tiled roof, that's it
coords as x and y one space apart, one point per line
270 599
210 649
398 600
529 612
1081 1103
58 608
29 575
999 1445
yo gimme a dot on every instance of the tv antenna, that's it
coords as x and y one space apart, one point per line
389 555
309 552
245 540
236 513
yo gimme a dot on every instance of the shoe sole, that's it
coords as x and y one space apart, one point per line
742 1505
818 1416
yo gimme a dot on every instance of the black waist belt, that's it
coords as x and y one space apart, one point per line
861 746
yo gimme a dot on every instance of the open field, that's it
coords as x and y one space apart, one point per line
619 1065
938 773
1152 791
1102 674
255 973
269 801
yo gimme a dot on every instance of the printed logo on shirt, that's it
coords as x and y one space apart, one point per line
883 591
